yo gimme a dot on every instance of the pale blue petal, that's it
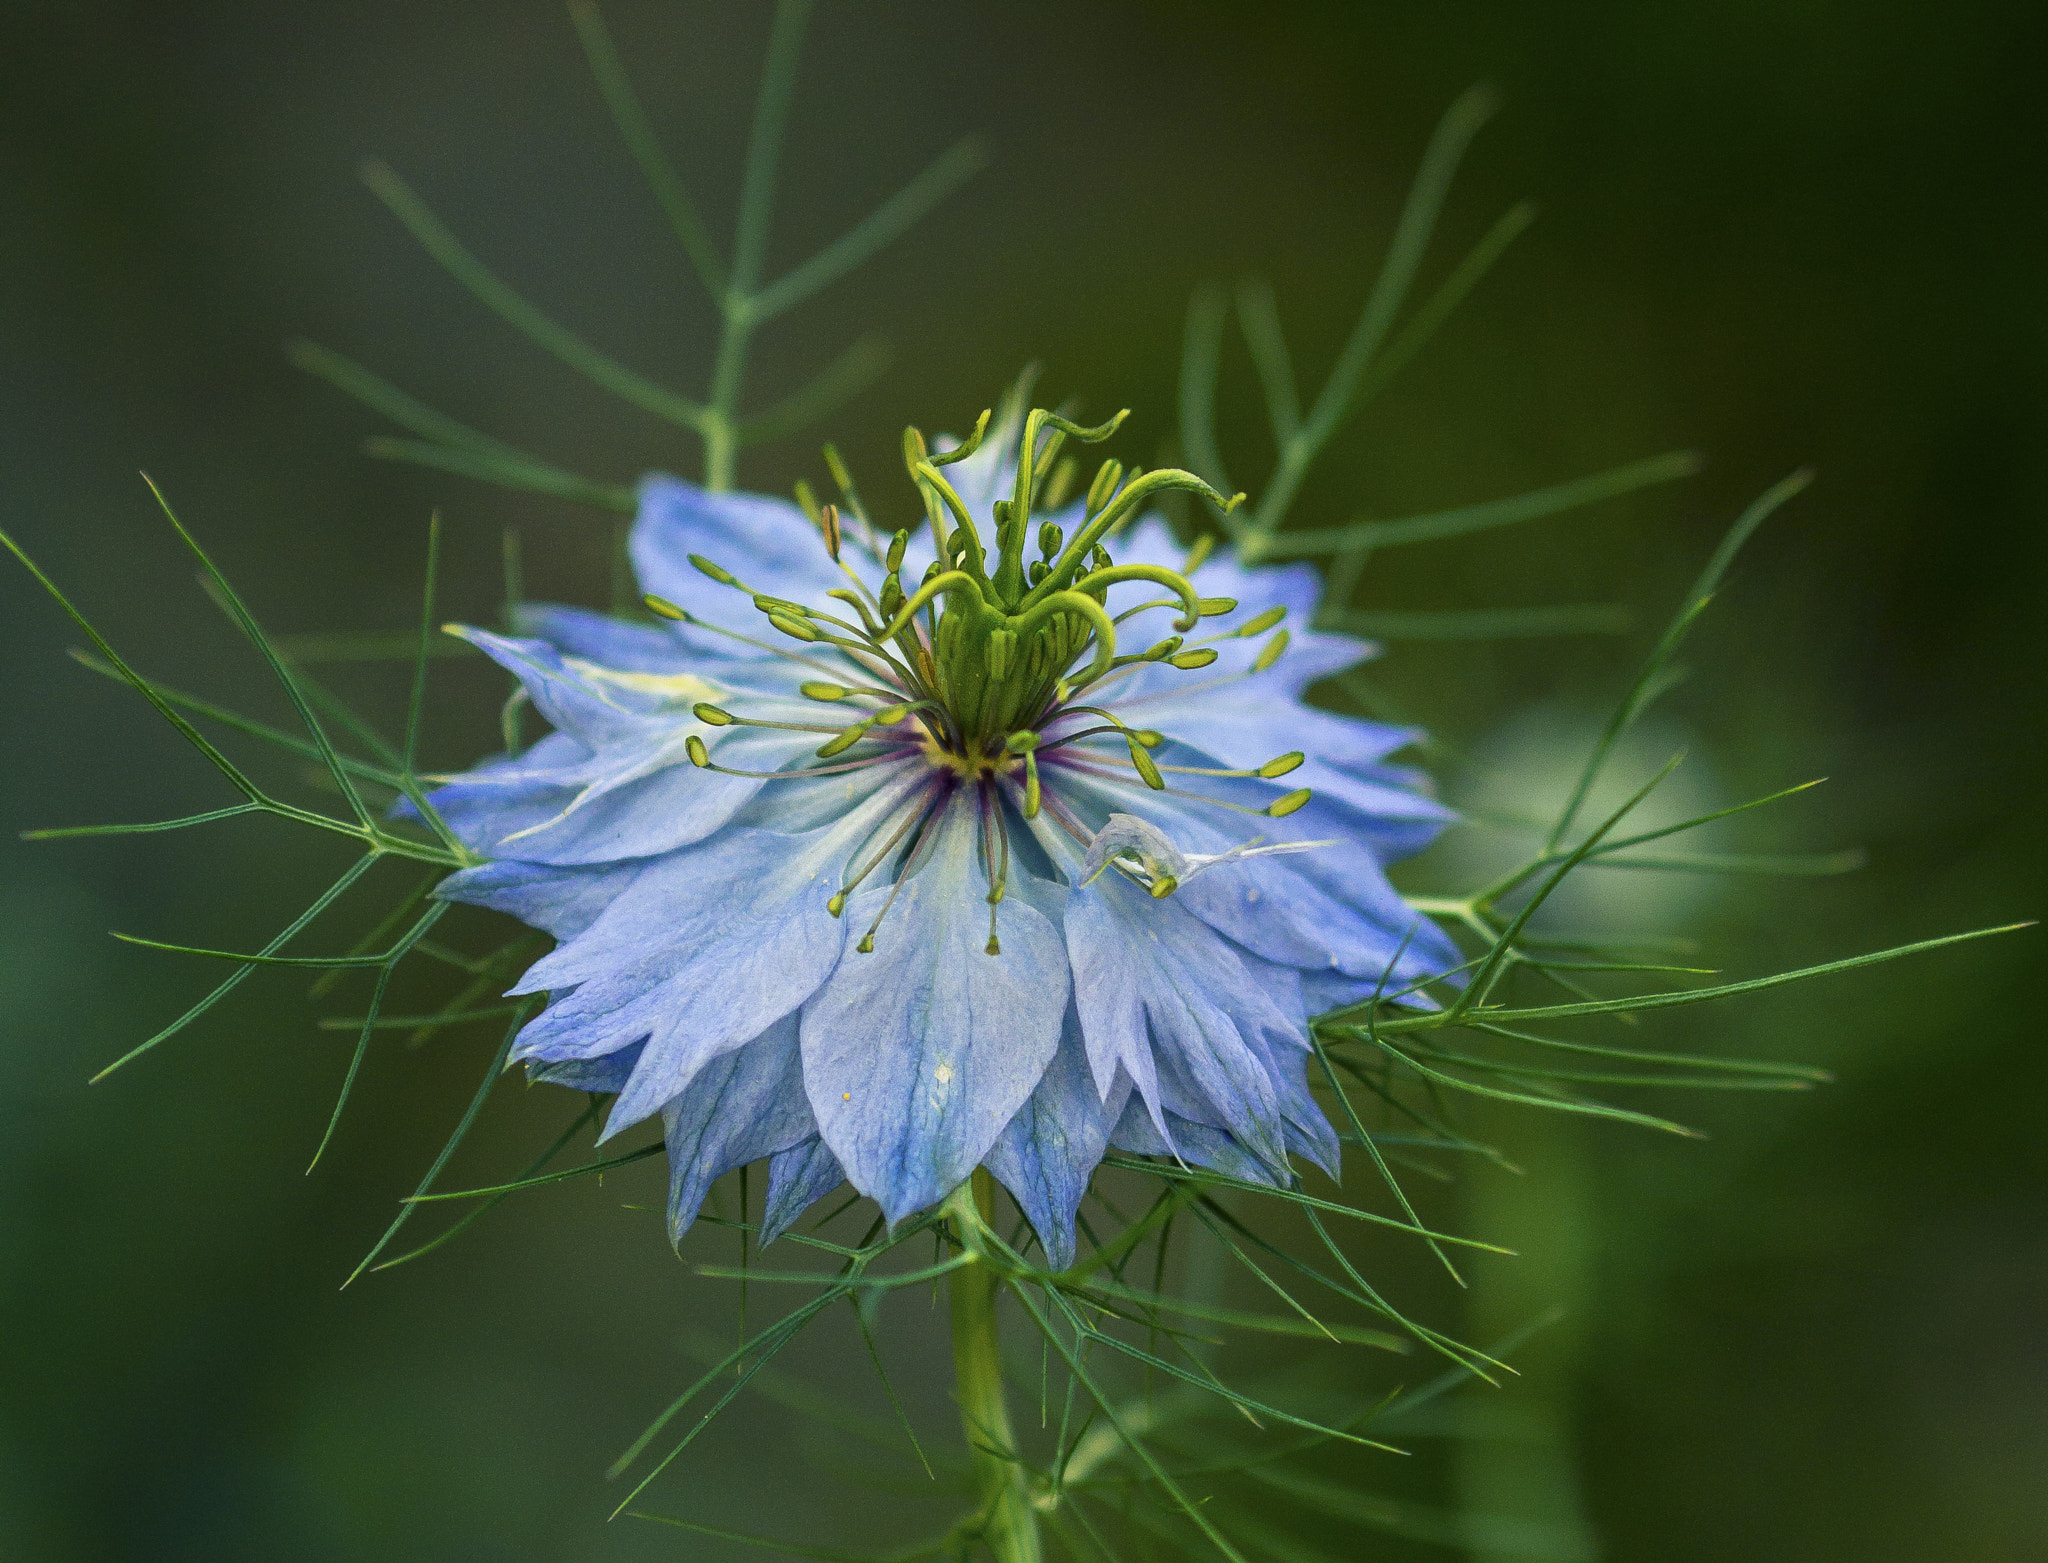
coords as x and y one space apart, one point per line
797 1179
918 1055
741 1107
560 902
704 950
618 643
597 1076
1152 979
1197 1144
1327 909
764 541
1047 1153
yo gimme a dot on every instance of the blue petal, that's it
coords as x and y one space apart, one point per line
617 782
560 902
764 541
1328 909
1287 1054
918 1055
705 949
1162 993
617 643
598 1076
741 1107
1046 1155
797 1179
1195 1143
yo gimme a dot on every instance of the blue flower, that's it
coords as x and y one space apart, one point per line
884 881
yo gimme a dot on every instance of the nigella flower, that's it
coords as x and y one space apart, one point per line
886 862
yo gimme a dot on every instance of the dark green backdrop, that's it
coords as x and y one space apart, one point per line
1778 233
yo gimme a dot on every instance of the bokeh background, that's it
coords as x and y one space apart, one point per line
1779 234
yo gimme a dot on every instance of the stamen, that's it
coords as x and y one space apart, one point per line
1146 768
911 864
1270 770
718 716
1264 622
850 493
700 757
1026 744
1271 654
1106 767
847 886
723 576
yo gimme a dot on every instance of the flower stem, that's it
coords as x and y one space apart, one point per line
1009 1524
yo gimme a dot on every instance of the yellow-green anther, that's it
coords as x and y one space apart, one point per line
897 544
1216 607
891 596
699 755
1271 654
722 576
837 468
705 711
1039 571
1164 649
866 945
837 904
1031 790
839 743
1107 477
662 608
1204 546
828 523
1200 657
1263 622
889 716
1149 737
1282 765
781 605
993 947
1050 536
817 689
794 628
931 573
1280 808
1023 742
1146 768
806 501
1164 886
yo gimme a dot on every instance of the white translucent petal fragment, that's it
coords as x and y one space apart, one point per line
1160 861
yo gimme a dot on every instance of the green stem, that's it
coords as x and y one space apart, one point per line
1009 1523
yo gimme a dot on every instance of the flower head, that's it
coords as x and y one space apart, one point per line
885 859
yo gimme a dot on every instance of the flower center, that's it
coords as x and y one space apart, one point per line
990 663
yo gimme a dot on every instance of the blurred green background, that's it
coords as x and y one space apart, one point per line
1780 234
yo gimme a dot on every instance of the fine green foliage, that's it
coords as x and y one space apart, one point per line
1152 1432
743 299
